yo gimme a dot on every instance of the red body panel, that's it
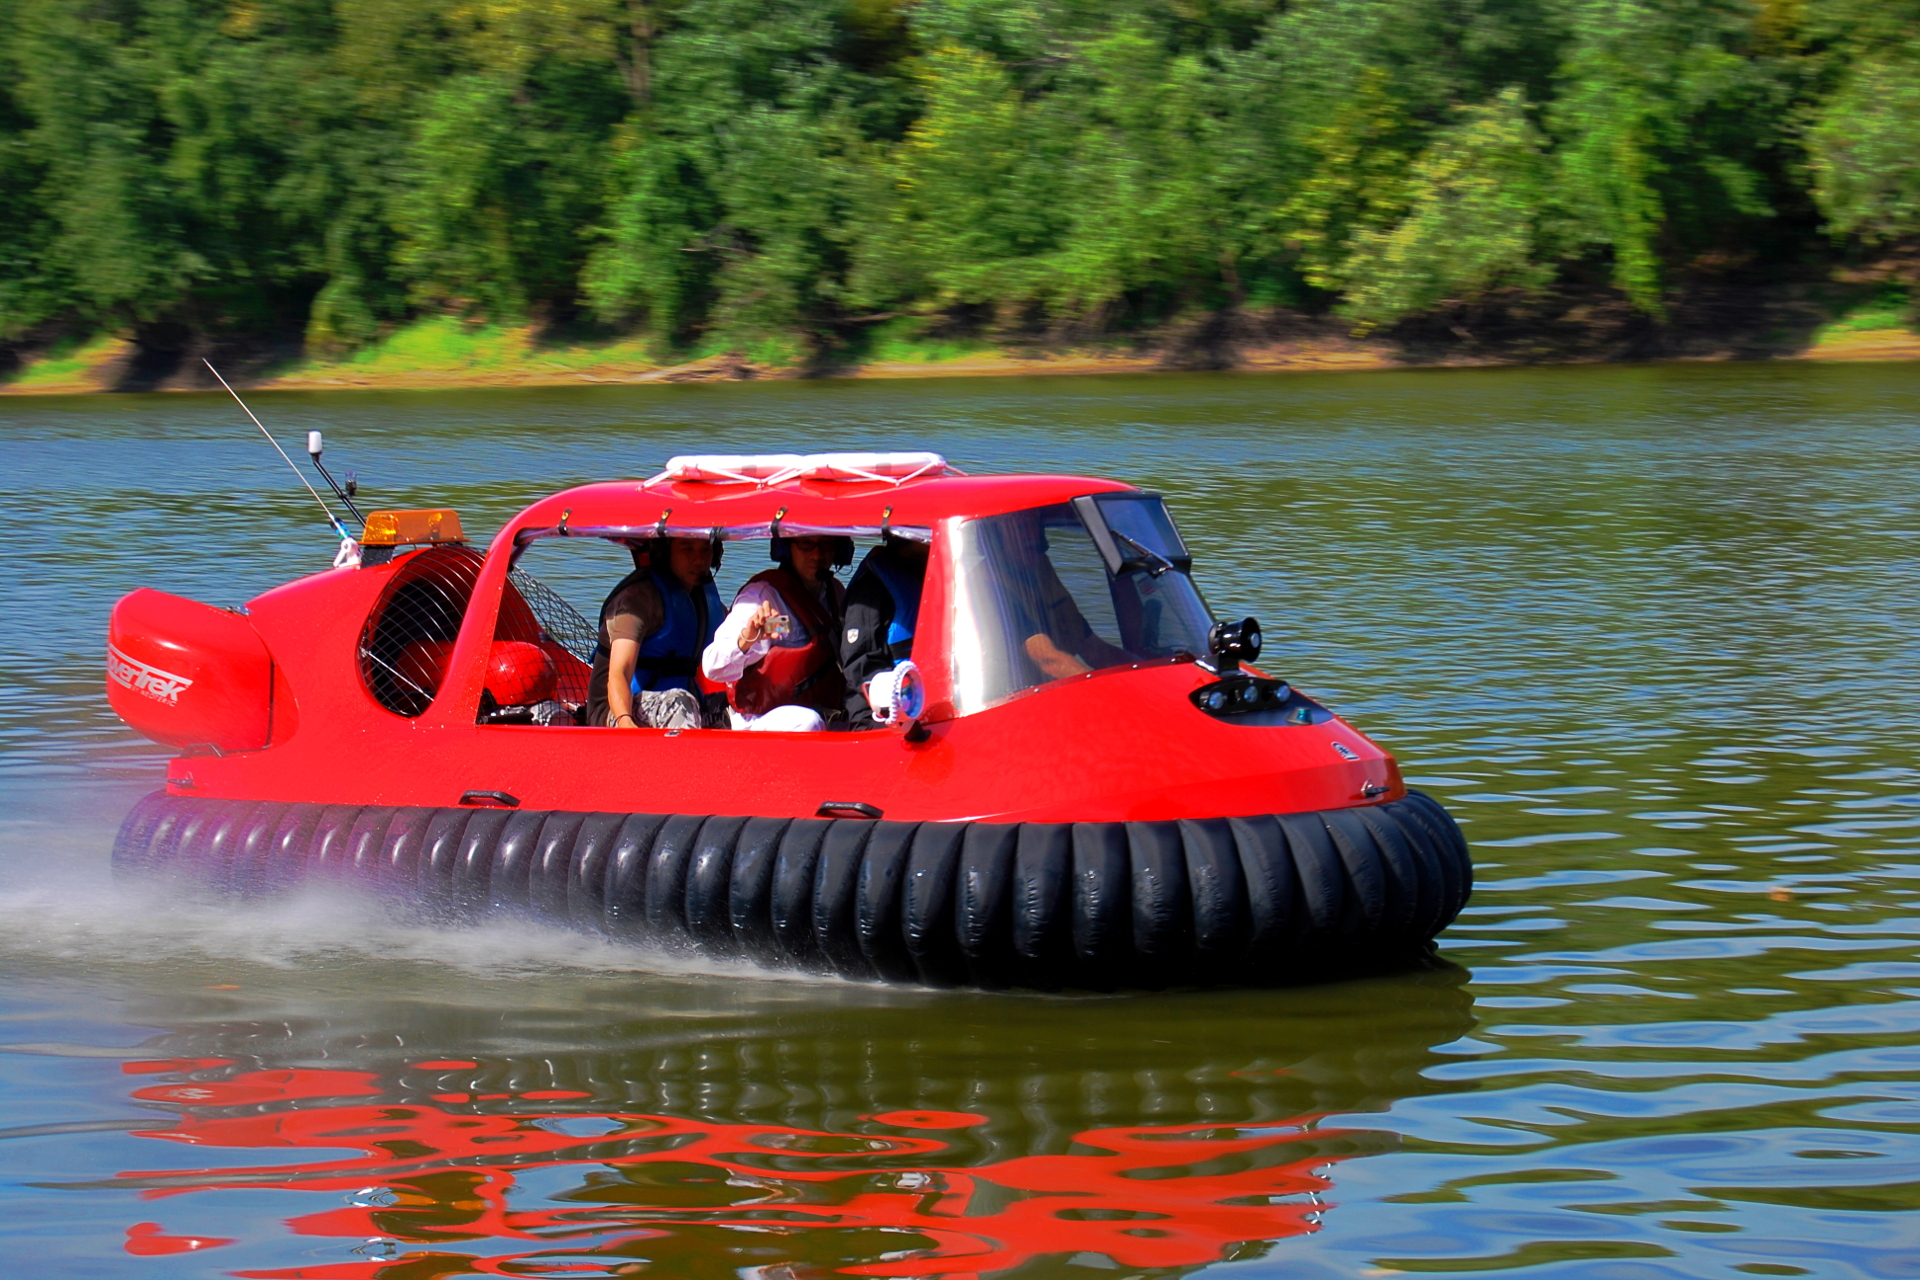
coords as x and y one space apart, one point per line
1122 744
1118 746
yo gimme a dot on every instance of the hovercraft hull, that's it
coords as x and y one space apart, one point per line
1091 905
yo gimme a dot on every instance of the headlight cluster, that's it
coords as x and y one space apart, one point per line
1240 695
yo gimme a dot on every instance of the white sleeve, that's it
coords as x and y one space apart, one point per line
723 662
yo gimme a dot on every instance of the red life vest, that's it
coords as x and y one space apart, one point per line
803 667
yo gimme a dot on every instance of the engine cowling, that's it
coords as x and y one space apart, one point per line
187 674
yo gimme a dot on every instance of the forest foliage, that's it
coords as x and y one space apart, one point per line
714 171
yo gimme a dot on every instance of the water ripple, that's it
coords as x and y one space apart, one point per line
1650 632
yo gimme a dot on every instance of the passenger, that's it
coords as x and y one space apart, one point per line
883 605
777 649
652 628
1058 638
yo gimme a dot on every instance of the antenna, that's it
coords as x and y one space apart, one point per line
331 518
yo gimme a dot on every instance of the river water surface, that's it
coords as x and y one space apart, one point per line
1652 633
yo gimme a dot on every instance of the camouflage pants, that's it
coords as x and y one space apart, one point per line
665 709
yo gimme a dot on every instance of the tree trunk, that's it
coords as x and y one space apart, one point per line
637 67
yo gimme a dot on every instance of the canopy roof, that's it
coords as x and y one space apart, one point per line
749 507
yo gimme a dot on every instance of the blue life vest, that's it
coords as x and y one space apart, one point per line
905 591
670 656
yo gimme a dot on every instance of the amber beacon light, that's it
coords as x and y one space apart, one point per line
411 528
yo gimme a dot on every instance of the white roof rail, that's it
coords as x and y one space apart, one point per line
766 469
729 468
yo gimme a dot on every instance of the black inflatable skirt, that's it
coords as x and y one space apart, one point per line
1092 905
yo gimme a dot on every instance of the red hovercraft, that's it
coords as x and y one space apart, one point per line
405 722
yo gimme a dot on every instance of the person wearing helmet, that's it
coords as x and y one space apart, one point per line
777 651
653 626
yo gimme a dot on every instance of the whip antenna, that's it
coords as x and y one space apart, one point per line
331 518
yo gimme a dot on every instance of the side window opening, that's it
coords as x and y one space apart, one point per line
559 662
546 638
541 665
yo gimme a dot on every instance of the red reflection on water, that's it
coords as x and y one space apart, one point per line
1145 1196
154 1066
921 1119
147 1240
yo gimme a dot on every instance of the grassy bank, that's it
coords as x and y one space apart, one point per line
446 352
1876 330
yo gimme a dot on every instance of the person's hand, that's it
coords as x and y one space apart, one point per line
756 628
1054 661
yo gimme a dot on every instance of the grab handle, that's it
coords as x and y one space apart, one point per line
491 798
846 809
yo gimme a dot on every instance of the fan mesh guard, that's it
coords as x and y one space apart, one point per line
410 633
562 623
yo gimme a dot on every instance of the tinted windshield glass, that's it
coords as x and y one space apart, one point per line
1036 603
1142 520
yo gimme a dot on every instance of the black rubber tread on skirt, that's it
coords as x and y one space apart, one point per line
1095 905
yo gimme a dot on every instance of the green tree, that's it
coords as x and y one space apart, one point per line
731 194
1355 186
719 171
1154 184
1078 187
507 163
1865 147
1479 216
1665 131
118 231
978 194
649 267
173 157
1337 97
31 291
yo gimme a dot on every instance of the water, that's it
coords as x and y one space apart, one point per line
1651 633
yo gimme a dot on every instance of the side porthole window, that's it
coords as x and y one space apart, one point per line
409 636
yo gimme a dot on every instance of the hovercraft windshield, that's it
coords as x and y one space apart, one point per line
1062 590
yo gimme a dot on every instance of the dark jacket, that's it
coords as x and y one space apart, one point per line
872 638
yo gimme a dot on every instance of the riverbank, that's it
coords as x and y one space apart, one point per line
444 352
